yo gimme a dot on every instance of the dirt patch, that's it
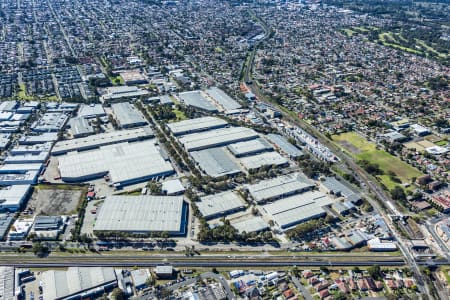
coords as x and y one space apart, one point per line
55 201
349 147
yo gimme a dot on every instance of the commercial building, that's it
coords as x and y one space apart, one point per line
41 157
127 163
102 139
196 125
335 187
377 244
254 224
118 92
127 115
217 138
197 99
20 168
279 187
140 278
218 205
282 144
142 214
20 229
31 149
91 111
420 130
216 162
263 159
50 122
5 139
78 283
290 211
164 271
13 197
38 139
251 147
80 127
222 100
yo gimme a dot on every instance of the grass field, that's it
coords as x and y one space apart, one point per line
180 115
361 149
22 94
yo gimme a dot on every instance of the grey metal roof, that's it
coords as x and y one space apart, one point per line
172 186
41 138
196 125
102 139
61 284
80 126
337 187
284 145
127 114
293 210
140 214
91 111
253 224
249 147
223 99
220 204
5 222
196 99
13 195
263 159
50 122
216 162
217 137
279 186
124 161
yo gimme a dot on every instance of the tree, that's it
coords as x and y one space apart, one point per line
374 271
117 294
398 193
39 249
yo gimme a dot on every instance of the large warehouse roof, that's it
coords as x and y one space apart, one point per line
11 197
279 187
249 147
217 137
80 126
7 283
142 214
91 111
127 163
196 125
216 162
58 284
196 99
263 159
220 204
127 115
254 224
222 99
284 145
293 210
95 141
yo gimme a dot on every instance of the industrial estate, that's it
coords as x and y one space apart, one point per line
224 149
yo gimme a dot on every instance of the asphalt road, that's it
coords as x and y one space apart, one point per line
301 288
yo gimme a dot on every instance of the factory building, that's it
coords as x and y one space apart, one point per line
290 211
80 127
216 162
78 283
102 139
282 144
196 125
27 158
221 204
13 197
254 224
91 111
31 149
127 115
28 177
279 187
126 163
217 138
264 159
118 92
251 147
6 219
222 100
50 122
142 215
197 99
38 139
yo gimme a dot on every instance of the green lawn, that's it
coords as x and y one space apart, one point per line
180 115
116 80
22 94
361 149
442 143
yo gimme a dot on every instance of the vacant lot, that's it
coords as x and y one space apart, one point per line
387 162
56 199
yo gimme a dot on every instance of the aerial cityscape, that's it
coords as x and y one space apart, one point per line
224 149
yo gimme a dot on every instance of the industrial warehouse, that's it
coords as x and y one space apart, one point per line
142 215
126 163
222 204
196 125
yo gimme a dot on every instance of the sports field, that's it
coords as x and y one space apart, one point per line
361 149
